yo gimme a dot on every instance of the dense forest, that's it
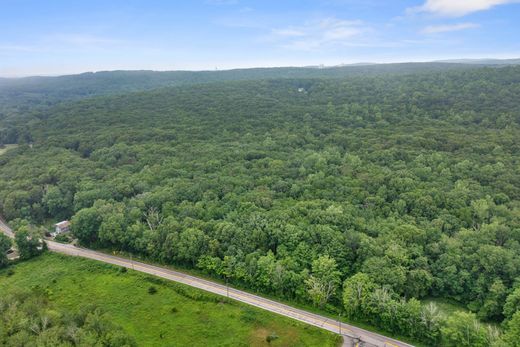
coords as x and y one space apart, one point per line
362 193
21 98
24 100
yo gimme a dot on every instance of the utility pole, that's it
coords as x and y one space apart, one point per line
227 287
339 322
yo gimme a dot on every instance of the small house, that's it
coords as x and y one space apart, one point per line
12 254
60 228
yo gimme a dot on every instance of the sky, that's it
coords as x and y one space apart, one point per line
55 37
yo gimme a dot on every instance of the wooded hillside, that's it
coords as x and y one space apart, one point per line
406 185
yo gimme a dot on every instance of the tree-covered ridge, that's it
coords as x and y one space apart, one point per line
294 186
22 98
105 82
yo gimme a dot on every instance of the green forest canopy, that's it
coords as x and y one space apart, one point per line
291 186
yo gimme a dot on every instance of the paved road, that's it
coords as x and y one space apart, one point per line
350 333
6 229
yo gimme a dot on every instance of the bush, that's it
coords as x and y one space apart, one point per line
63 238
156 280
195 295
10 272
248 315
123 270
152 290
271 337
88 323
174 310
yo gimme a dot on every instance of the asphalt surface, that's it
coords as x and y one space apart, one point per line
6 229
353 336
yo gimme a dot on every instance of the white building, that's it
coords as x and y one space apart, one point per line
60 228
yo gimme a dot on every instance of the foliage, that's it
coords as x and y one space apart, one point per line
364 300
63 238
176 315
463 329
407 180
512 333
324 280
29 241
20 97
271 337
27 318
512 304
5 245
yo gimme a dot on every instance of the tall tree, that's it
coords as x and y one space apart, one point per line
512 331
463 329
356 291
29 242
324 280
5 245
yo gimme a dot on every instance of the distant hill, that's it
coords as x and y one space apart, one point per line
22 97
32 91
483 61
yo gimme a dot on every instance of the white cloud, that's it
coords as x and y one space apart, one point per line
436 29
317 34
457 8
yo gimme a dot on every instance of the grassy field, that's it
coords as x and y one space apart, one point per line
176 315
300 305
6 148
446 307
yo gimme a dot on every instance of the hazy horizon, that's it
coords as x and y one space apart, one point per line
361 63
60 37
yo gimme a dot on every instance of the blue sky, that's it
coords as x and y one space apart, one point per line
50 37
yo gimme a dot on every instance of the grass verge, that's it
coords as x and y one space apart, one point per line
296 304
171 314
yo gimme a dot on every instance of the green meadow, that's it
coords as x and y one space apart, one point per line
5 148
171 314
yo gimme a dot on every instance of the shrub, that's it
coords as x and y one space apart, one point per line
248 315
152 290
63 238
271 337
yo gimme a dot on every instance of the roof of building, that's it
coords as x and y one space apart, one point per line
63 224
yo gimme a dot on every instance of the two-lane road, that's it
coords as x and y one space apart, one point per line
5 228
350 333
